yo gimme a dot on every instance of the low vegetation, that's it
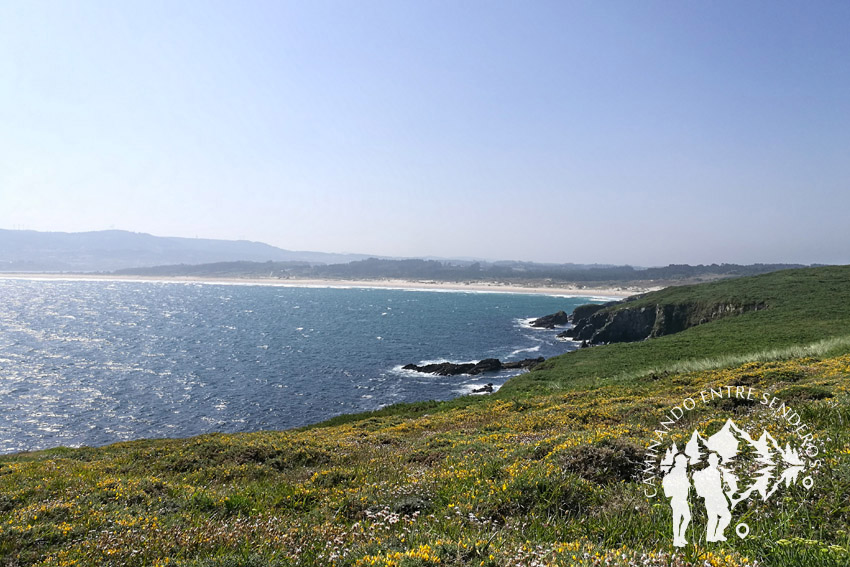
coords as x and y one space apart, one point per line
805 311
549 480
546 473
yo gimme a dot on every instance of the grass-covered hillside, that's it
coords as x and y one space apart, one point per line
546 473
803 312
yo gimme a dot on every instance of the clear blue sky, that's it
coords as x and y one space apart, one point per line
616 132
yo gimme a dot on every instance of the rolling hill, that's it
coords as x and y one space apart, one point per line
803 311
108 250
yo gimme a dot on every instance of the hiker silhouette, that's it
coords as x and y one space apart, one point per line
676 487
708 484
726 469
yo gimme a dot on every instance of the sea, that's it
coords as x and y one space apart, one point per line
96 362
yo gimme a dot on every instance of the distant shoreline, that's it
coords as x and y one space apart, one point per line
400 284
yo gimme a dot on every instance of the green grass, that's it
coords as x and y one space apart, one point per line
499 482
542 474
807 310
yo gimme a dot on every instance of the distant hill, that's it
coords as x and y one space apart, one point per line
109 250
134 253
528 271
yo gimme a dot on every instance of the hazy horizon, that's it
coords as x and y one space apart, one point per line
617 133
438 258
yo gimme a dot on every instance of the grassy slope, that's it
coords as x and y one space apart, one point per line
804 308
487 481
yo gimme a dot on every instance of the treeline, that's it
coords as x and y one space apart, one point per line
221 269
432 269
416 269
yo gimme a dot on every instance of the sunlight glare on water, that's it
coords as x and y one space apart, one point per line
94 362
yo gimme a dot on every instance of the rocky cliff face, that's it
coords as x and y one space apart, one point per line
613 325
585 311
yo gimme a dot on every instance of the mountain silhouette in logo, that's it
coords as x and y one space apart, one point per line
754 462
723 470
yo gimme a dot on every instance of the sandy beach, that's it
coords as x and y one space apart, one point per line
424 285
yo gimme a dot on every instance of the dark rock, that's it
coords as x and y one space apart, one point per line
628 324
550 321
488 389
585 328
623 326
486 365
527 363
442 368
585 311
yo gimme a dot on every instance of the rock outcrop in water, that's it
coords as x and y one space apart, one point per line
613 323
486 365
551 321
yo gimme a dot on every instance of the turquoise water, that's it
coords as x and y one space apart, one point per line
94 362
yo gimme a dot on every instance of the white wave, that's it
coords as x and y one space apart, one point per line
399 369
522 350
526 323
467 389
443 360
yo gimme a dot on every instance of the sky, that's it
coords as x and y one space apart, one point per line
642 133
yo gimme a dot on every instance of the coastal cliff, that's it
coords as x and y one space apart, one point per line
619 322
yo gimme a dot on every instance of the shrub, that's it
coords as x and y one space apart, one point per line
804 393
612 460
